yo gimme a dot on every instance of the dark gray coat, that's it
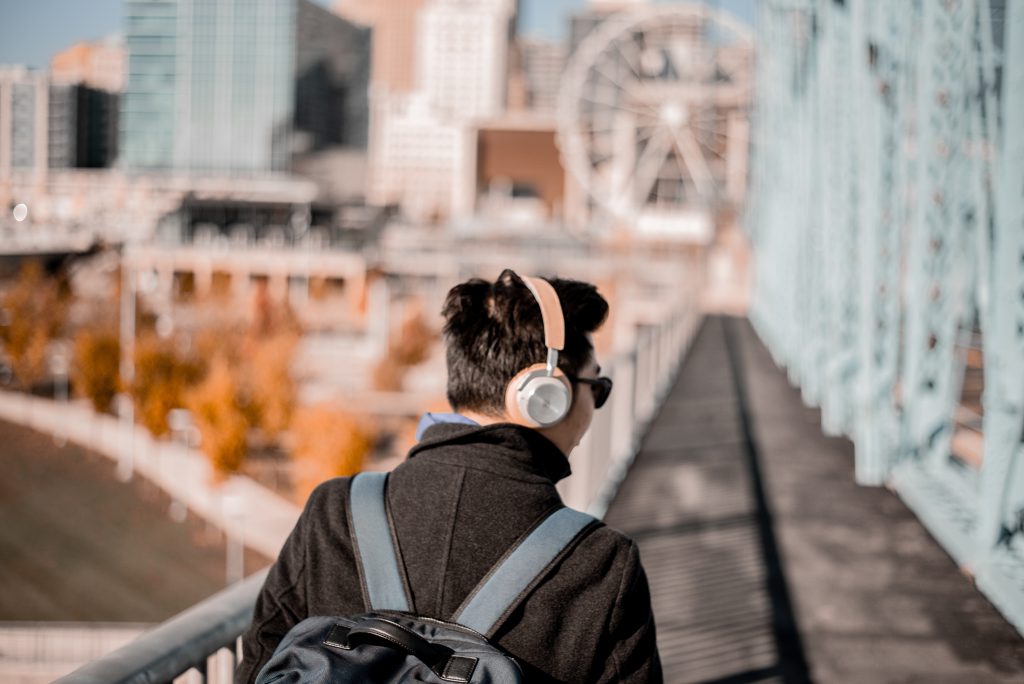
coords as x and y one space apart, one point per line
465 495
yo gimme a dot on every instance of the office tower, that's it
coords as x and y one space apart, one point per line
97 64
62 124
420 161
240 86
463 56
24 103
51 125
394 39
542 65
86 80
84 98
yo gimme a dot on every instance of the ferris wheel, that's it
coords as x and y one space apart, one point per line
647 105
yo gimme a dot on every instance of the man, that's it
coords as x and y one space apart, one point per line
475 484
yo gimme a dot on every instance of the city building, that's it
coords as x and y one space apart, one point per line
82 127
225 86
97 64
24 98
542 64
420 160
519 174
422 154
462 61
394 39
46 125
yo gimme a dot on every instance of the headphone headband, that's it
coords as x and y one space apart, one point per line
539 395
550 311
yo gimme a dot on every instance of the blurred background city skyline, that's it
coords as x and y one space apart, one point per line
32 32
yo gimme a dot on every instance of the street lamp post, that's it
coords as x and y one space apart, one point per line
234 511
126 413
184 432
130 288
59 368
125 407
301 220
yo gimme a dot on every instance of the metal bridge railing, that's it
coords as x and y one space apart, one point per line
885 221
201 643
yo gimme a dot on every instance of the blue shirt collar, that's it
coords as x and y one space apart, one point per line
429 419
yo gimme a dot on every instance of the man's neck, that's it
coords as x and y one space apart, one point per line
483 419
555 434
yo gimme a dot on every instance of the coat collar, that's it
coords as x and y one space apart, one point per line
513 449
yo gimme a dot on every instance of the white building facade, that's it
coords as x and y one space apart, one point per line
421 161
422 143
463 56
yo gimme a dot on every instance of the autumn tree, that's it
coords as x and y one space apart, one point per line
96 367
406 349
218 415
163 375
272 338
387 375
269 384
412 344
32 314
327 442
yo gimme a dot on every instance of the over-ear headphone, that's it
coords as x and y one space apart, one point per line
540 395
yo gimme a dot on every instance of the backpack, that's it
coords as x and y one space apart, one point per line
393 644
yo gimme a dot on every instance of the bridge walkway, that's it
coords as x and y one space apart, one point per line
767 563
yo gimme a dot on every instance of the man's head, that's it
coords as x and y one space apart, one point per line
494 330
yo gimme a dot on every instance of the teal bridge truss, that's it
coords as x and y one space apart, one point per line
886 219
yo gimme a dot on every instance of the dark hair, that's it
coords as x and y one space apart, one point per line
494 330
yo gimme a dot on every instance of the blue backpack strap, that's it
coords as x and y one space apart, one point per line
511 579
374 546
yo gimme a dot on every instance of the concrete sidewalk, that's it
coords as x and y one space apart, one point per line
768 563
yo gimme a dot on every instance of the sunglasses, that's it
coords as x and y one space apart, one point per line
601 387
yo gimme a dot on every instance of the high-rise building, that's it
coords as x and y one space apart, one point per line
463 56
44 125
240 86
24 101
421 148
62 124
420 161
97 64
394 39
542 65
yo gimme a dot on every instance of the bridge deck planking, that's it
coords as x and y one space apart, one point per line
873 597
687 502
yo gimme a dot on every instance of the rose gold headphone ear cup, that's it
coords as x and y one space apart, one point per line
512 402
518 392
515 414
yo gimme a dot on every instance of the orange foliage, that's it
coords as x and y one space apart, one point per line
409 347
327 443
33 313
224 340
162 377
269 385
96 367
387 375
268 317
413 341
218 415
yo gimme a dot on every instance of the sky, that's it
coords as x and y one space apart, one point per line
31 31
